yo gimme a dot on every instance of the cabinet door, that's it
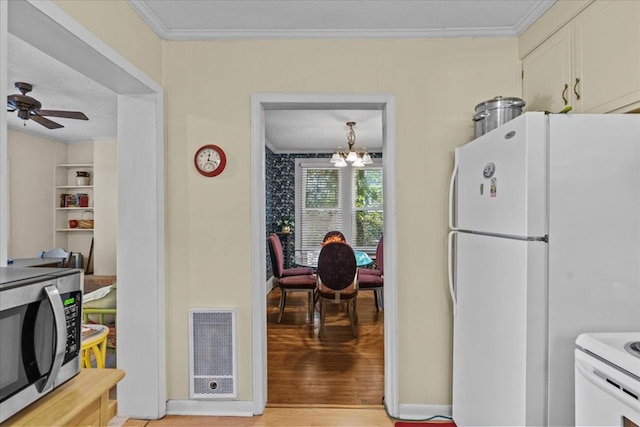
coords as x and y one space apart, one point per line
547 73
607 56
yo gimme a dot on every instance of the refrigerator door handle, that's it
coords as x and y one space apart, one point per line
450 270
452 183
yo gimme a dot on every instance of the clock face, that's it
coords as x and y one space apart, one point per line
210 160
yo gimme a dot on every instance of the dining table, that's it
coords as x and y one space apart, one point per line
309 258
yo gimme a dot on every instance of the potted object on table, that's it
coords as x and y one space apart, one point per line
286 223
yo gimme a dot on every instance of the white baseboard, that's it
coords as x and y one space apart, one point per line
232 408
269 285
237 408
417 412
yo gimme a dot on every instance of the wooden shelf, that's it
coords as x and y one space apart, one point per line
83 400
73 230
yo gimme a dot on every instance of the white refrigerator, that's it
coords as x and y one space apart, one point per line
544 246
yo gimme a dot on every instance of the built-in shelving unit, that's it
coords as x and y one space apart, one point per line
72 201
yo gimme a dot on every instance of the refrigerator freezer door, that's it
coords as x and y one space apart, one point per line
499 345
501 184
594 239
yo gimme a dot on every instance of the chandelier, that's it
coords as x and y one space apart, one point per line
357 159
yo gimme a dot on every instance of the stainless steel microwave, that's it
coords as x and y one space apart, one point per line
40 326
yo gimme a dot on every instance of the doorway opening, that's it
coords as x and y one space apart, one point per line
140 129
261 103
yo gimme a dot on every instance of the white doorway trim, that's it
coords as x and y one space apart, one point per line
260 103
141 266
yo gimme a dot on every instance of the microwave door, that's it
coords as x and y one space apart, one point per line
32 352
53 296
28 344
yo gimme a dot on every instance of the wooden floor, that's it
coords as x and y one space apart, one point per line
334 381
335 370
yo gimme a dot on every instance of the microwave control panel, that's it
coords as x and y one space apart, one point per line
72 303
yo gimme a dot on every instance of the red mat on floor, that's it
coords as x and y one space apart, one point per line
428 423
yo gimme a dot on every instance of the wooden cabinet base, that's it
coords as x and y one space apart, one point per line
81 401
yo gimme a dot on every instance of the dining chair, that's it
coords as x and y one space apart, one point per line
68 263
337 282
54 253
372 279
297 279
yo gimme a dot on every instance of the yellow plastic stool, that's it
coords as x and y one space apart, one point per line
94 341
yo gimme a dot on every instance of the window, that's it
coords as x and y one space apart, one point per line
347 199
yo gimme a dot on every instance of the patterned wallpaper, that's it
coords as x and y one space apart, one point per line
281 193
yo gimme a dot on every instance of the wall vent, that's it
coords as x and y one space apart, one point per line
212 354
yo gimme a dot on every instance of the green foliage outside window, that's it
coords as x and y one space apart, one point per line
322 189
369 218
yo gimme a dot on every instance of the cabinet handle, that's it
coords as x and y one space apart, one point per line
575 88
564 94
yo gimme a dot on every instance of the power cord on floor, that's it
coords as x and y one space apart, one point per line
435 417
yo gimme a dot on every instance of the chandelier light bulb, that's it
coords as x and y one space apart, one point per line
356 159
341 163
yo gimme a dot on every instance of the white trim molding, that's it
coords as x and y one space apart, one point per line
267 101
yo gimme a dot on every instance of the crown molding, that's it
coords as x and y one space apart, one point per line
533 16
268 34
338 34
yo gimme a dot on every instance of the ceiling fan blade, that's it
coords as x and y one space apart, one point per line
11 111
64 114
50 124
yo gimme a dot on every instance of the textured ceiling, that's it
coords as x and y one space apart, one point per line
59 87
223 19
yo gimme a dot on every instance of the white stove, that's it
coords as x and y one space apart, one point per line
607 379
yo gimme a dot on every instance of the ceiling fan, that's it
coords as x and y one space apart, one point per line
29 108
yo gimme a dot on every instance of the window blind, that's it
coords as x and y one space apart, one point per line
345 199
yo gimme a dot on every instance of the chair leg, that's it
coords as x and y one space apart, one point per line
311 301
376 296
283 299
322 315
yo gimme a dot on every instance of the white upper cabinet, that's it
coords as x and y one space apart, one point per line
546 74
592 63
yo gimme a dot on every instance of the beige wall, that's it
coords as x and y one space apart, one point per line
120 27
105 163
208 86
32 162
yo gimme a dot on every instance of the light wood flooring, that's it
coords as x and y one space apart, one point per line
334 381
280 417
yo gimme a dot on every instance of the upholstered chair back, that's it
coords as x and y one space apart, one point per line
336 266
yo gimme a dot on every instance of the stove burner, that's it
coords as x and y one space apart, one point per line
633 348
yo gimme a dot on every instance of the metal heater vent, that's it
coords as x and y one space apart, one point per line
212 354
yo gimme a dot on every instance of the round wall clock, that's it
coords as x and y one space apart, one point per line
210 160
